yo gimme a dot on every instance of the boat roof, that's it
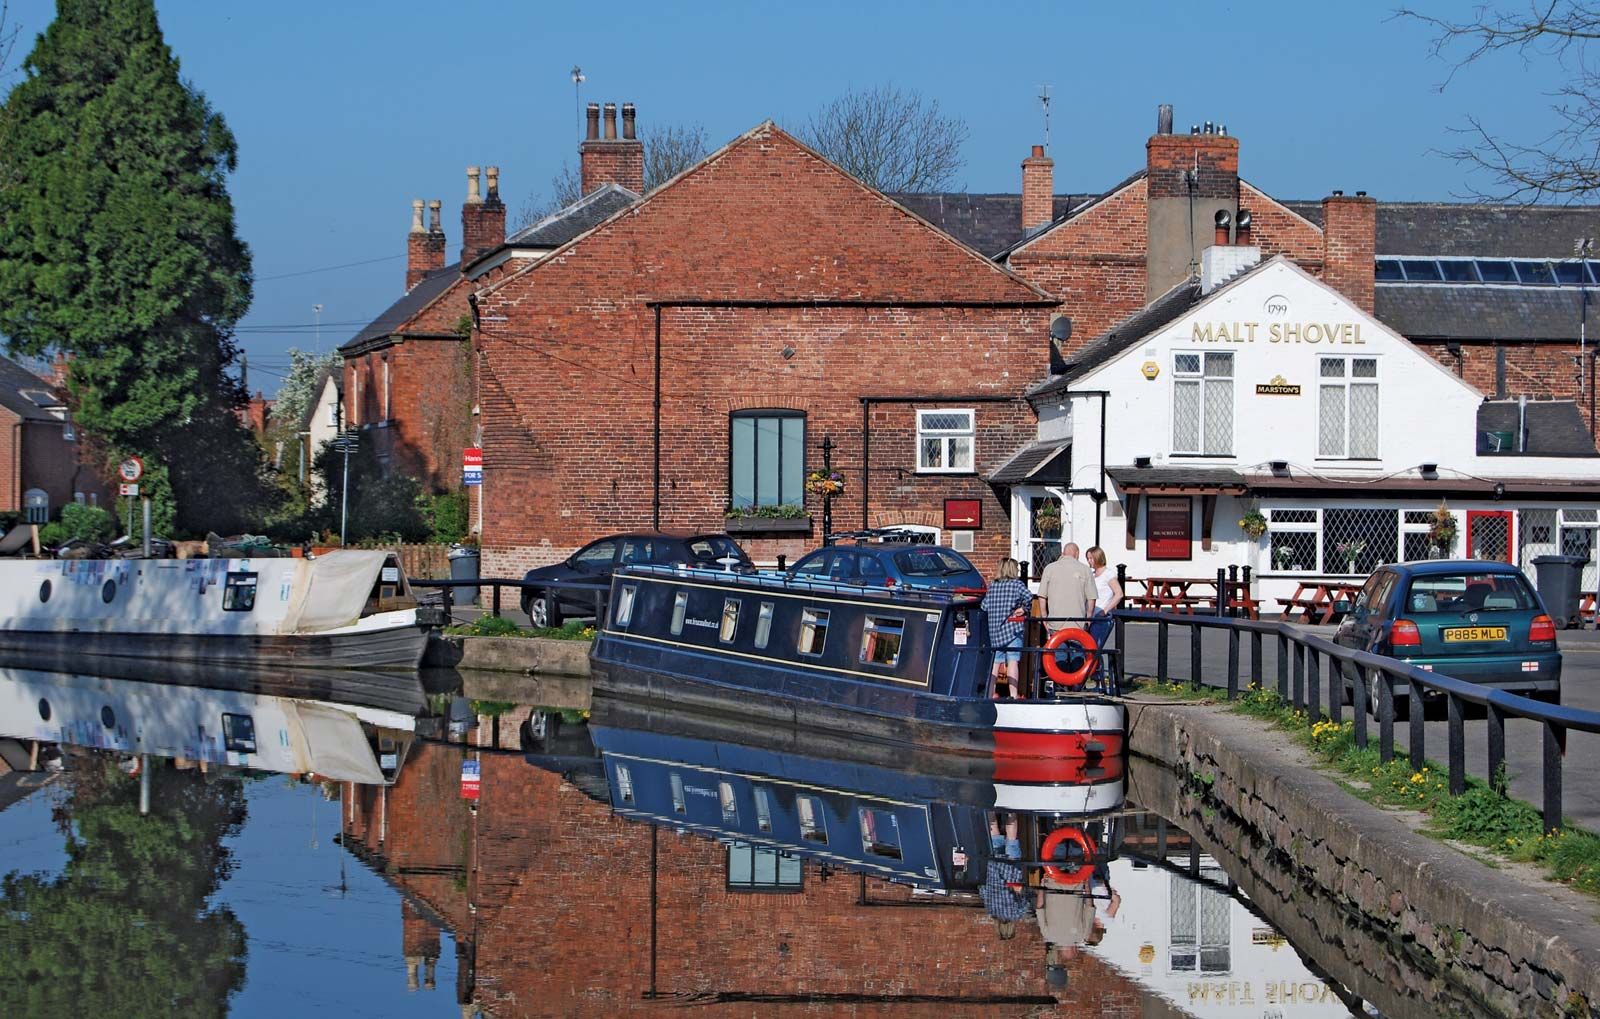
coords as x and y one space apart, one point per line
793 585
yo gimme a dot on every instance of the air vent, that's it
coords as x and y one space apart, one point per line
961 541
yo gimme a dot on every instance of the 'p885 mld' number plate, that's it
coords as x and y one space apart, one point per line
1458 634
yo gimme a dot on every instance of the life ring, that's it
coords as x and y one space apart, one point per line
1077 875
1071 635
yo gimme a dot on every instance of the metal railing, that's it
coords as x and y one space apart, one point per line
1300 658
599 596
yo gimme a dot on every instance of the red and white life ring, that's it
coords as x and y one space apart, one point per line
1079 874
1080 675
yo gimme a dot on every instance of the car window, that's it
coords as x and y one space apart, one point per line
1459 593
1372 595
1380 604
814 565
930 562
637 550
596 556
872 571
843 568
713 550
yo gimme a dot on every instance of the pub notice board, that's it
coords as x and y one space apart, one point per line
1170 527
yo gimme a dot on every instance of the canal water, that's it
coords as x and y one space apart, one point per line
512 861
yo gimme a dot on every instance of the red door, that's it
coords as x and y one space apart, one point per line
1489 535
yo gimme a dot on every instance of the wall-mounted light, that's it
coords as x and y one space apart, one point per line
1499 491
1429 471
1141 462
1280 468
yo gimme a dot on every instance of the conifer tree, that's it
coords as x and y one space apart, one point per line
117 245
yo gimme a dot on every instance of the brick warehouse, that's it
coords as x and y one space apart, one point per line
782 289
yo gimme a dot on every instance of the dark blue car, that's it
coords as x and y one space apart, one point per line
1472 620
889 560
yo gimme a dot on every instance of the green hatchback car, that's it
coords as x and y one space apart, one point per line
1477 621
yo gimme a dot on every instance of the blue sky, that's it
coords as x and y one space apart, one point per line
345 111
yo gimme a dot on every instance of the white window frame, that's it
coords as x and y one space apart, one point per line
1345 383
947 437
1200 378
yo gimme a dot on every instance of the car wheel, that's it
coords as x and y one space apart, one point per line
542 610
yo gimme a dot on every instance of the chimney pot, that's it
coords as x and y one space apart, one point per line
1194 128
434 225
627 120
1222 129
1038 150
1209 128
1338 194
611 122
493 183
593 117
473 197
1361 194
1164 118
416 216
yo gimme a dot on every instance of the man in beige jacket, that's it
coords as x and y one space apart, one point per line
1067 587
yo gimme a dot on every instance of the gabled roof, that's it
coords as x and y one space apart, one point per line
1074 213
25 394
582 215
392 318
1439 311
1125 334
1553 427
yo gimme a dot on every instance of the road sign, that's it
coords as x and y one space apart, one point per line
470 780
131 469
128 490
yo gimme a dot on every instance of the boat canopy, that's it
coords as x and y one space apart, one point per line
332 744
332 590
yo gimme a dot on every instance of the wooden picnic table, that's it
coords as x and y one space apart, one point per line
1174 594
1315 601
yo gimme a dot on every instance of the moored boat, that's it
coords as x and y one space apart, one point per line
891 665
345 609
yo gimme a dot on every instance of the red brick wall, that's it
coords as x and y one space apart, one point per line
1038 189
35 454
1277 231
1169 156
567 363
1350 232
424 253
1541 370
615 161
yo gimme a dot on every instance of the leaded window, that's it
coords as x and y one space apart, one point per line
945 440
1347 408
1202 403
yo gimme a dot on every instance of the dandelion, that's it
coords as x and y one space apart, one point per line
1416 776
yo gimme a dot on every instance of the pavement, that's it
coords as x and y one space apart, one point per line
1580 688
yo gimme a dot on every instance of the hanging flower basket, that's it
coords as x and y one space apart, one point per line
1047 519
1253 524
825 483
1442 533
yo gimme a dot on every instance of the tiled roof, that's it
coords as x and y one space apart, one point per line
563 225
407 308
985 223
1439 311
15 381
1039 462
1554 427
1176 477
1475 229
1127 333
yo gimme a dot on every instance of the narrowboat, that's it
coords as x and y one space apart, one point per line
345 609
863 812
888 664
340 735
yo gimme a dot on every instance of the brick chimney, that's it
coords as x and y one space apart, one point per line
1038 190
424 247
611 160
60 368
1190 178
483 217
1350 245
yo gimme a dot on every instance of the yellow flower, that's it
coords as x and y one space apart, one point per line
1416 776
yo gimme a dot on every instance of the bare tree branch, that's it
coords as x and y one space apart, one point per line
889 139
1564 165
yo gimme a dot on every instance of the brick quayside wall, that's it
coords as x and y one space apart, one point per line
563 925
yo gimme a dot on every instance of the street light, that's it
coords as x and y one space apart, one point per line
316 309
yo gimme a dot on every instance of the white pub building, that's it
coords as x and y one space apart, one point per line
1253 416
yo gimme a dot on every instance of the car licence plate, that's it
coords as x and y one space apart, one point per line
1458 634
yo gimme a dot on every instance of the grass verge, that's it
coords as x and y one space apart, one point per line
499 626
1482 816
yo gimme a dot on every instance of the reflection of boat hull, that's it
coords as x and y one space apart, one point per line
1013 731
400 646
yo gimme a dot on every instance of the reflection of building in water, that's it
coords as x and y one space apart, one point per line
1183 935
558 907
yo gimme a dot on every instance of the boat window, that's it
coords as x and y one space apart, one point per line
813 631
239 733
680 605
764 624
625 605
239 593
44 710
730 806
880 640
44 592
624 783
679 805
763 810
812 826
730 620
108 718
880 833
108 591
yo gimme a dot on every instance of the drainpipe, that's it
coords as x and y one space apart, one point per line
1522 423
655 499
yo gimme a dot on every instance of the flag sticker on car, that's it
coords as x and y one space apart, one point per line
1530 666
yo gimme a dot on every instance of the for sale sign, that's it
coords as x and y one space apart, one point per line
472 466
471 777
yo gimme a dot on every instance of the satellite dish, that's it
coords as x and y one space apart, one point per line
1061 329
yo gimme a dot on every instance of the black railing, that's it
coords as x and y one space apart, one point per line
1300 659
598 596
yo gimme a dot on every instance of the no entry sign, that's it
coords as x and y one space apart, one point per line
130 470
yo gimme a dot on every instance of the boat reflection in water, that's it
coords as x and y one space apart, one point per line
345 726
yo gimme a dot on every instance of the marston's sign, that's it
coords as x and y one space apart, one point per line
1279 386
1335 333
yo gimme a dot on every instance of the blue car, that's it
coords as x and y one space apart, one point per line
1477 621
889 559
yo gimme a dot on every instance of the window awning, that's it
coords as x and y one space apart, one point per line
1179 480
1037 463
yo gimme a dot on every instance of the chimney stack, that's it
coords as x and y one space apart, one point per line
60 369
611 160
1350 246
483 219
424 248
1038 190
1190 179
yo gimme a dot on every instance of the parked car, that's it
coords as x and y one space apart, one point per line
1477 621
880 560
589 569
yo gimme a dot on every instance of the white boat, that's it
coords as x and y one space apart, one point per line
345 609
333 739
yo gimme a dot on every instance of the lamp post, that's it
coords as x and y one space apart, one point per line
347 442
827 497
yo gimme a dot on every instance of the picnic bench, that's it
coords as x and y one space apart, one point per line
1189 595
1315 600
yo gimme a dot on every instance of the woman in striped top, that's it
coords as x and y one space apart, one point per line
1006 603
